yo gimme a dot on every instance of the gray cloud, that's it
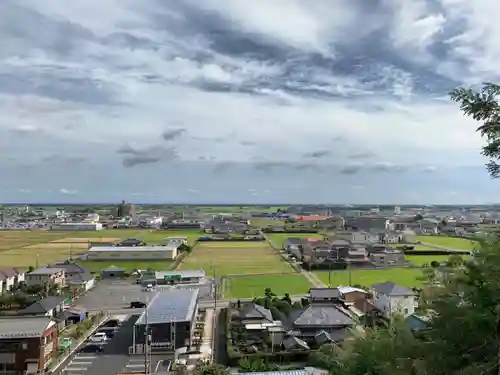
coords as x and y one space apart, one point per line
149 155
173 134
362 155
318 154
222 167
351 169
248 143
269 165
63 159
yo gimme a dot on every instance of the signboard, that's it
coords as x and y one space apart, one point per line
167 277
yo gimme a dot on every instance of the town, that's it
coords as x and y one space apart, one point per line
154 289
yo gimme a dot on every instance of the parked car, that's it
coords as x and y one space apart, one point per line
99 337
137 305
108 331
92 348
112 323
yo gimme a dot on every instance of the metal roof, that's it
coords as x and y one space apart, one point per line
24 327
136 249
46 271
183 274
176 305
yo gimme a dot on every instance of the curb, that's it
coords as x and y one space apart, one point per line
77 346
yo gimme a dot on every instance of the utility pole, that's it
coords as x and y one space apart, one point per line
214 320
146 339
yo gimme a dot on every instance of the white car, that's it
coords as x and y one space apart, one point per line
99 337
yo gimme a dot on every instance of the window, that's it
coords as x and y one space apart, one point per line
406 311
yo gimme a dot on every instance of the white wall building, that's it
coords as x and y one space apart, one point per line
167 252
394 299
77 226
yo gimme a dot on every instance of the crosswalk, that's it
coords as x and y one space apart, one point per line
134 365
80 364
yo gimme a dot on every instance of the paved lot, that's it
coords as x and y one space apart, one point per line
117 295
113 295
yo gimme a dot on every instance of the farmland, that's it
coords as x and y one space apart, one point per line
450 242
402 276
254 286
235 258
277 239
24 248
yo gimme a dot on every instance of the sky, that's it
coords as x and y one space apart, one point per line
224 101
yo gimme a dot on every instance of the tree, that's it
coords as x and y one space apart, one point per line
205 368
483 107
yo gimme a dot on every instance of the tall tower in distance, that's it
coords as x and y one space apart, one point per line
397 210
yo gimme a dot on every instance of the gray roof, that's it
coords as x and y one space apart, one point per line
391 289
254 311
294 241
44 305
176 305
46 271
324 293
283 372
320 315
294 342
18 327
136 249
183 274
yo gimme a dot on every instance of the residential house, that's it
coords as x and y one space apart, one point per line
368 223
324 295
388 257
10 278
349 295
46 275
49 306
318 254
390 237
357 237
252 313
429 226
391 298
318 318
293 245
77 275
27 344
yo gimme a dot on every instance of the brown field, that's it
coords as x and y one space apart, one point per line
55 246
85 240
236 260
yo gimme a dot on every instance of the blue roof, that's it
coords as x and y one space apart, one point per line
176 305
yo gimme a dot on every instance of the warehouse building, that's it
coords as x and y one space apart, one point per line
168 252
170 320
173 277
77 226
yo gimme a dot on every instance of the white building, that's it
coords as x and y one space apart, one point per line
10 279
394 299
168 252
77 226
397 210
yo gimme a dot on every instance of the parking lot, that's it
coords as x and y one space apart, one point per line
117 295
114 357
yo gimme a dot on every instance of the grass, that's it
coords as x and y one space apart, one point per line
277 239
25 248
97 266
261 223
420 260
408 277
254 286
231 244
255 258
451 242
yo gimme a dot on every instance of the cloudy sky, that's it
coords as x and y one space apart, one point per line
338 101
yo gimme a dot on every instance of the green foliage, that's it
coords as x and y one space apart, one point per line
483 107
256 365
205 368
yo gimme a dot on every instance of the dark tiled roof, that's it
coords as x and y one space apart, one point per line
324 293
320 315
391 289
294 342
70 267
254 311
19 327
42 306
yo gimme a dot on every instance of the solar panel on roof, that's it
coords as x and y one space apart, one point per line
172 306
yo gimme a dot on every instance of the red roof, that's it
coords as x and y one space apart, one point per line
313 239
312 218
